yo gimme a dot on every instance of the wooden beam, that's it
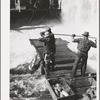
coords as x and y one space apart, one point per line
75 36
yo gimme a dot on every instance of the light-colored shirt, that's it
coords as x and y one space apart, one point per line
84 45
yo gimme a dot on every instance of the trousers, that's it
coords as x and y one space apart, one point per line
49 60
81 56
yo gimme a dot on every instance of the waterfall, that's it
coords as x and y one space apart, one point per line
77 16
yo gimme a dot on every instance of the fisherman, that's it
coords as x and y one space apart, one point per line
49 44
84 45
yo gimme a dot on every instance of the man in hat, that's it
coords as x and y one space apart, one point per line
49 44
84 45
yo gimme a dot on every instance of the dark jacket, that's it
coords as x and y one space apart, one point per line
49 43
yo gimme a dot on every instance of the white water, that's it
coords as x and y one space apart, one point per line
77 16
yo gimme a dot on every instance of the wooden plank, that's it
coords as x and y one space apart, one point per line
38 51
63 53
81 82
75 36
51 90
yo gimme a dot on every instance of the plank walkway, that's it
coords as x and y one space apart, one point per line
64 59
63 54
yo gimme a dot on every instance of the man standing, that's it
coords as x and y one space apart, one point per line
49 44
84 45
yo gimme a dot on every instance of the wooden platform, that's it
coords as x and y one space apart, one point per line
63 54
64 62
64 57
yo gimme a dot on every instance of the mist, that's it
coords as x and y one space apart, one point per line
77 16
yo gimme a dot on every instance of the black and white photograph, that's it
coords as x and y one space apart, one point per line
53 50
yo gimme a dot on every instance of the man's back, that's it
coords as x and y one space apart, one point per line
84 44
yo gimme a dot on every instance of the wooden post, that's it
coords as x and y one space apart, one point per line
17 5
60 4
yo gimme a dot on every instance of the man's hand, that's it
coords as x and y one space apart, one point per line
42 34
95 40
73 35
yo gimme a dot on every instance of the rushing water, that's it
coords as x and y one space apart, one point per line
77 16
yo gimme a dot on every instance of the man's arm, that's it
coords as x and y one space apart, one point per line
42 34
44 39
94 44
73 38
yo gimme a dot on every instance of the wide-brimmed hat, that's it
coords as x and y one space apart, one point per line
86 34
